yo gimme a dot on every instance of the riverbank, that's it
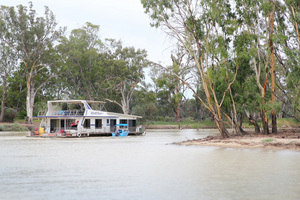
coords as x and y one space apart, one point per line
286 139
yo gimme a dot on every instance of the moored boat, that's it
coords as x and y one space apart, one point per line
121 130
77 118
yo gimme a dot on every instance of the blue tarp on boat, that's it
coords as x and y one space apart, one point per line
121 125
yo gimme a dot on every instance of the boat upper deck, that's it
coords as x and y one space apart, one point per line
79 108
72 107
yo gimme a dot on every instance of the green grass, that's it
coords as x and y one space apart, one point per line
288 123
191 124
23 120
268 140
281 123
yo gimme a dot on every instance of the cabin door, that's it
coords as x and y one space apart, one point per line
53 125
113 122
62 124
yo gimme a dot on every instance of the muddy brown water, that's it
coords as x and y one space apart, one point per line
142 167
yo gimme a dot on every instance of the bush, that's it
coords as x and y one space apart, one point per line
13 127
169 119
9 115
22 114
189 119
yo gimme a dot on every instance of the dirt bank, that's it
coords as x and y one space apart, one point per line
285 139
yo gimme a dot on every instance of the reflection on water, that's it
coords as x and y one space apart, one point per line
142 167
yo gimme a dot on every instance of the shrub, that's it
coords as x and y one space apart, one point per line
13 127
9 115
169 119
22 114
189 119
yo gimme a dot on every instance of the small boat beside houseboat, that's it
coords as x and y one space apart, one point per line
78 118
122 131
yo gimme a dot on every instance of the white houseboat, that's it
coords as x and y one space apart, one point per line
69 118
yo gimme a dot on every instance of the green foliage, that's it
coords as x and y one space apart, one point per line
16 92
33 37
81 63
9 115
13 127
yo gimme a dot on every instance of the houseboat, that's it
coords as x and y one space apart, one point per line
77 118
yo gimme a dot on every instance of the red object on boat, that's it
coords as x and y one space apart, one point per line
75 124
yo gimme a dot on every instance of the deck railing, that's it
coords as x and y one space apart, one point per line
42 113
56 129
69 112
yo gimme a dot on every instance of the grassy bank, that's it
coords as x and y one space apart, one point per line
207 124
12 127
183 124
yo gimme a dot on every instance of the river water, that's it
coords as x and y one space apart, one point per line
142 167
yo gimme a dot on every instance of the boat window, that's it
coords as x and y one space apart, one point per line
123 121
62 124
69 122
87 123
132 123
107 121
98 123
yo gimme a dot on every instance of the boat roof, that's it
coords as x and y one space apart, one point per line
92 113
75 101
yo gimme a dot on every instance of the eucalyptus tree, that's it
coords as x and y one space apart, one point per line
8 64
288 56
245 88
205 29
257 22
81 59
31 37
144 102
123 73
16 91
168 81
270 13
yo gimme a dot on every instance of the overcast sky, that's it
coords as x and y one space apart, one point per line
118 19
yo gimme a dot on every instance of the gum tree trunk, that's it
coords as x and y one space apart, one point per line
254 122
265 122
30 103
3 102
272 64
221 128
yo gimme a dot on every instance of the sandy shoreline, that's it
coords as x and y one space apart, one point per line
284 140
